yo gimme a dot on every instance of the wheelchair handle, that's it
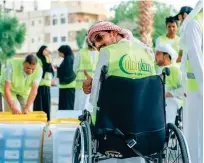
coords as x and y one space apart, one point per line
165 72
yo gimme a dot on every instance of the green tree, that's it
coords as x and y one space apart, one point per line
80 38
127 14
12 35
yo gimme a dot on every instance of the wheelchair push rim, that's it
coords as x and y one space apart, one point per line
81 148
175 150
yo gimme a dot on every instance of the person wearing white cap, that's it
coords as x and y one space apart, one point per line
192 68
166 57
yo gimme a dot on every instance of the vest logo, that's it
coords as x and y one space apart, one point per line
113 154
130 65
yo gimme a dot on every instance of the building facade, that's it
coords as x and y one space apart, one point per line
59 25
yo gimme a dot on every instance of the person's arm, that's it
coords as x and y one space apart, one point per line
195 54
33 92
7 90
96 84
8 97
179 56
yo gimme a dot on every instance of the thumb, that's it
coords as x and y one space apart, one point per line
87 75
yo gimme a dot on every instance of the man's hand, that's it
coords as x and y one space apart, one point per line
26 110
14 110
87 83
168 94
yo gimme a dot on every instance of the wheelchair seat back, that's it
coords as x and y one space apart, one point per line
136 108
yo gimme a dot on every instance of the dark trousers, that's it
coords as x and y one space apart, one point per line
66 98
42 101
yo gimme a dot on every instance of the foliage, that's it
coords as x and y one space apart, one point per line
12 35
80 38
127 14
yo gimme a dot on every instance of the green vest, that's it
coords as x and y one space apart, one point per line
85 64
129 60
192 85
165 40
19 84
70 85
46 81
172 81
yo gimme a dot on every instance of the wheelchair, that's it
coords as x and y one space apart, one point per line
130 122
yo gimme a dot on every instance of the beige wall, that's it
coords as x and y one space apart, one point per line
41 30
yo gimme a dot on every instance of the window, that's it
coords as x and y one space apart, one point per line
39 21
33 23
54 39
39 38
47 20
72 35
47 37
62 20
54 21
63 39
33 40
71 18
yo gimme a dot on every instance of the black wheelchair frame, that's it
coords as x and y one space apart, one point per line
85 143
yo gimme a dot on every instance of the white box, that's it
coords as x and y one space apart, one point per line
31 154
11 154
32 143
64 159
65 149
13 143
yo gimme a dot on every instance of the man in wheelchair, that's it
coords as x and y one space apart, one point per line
129 103
166 56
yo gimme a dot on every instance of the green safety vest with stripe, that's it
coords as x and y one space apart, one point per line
47 79
85 64
128 60
133 62
192 85
172 81
165 40
19 84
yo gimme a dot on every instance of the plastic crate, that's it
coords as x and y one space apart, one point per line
21 137
58 138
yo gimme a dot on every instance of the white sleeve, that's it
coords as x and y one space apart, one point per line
76 62
39 77
157 42
103 60
193 37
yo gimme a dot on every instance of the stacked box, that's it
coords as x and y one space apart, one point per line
21 142
58 139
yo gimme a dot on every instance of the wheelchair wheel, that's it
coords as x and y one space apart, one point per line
81 149
175 150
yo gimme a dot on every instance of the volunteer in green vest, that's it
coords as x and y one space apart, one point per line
165 57
192 68
116 52
19 83
43 100
86 59
171 37
66 77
